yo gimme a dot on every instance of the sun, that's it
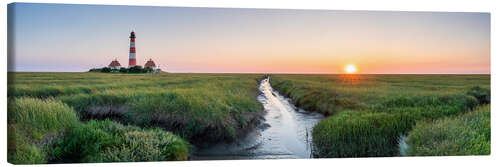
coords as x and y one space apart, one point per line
350 69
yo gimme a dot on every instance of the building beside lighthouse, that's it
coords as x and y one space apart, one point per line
151 64
131 55
115 65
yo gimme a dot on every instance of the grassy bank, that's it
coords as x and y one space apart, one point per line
48 131
108 141
144 117
31 123
369 116
199 107
467 134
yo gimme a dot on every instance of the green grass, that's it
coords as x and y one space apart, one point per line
329 94
368 117
467 134
202 108
48 131
31 122
162 113
375 132
108 141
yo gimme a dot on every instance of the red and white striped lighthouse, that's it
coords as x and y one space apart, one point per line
131 57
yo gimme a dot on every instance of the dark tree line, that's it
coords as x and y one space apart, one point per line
135 69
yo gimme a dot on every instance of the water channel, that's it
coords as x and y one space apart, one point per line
285 133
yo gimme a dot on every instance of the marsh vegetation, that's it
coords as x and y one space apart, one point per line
104 117
367 118
198 108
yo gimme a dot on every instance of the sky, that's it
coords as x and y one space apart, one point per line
73 38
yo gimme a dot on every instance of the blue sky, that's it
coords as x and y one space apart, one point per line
63 37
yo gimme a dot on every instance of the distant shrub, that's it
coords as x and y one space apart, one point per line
482 94
95 70
108 141
103 70
467 134
106 70
32 120
134 69
123 70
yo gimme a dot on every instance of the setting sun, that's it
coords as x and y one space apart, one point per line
350 69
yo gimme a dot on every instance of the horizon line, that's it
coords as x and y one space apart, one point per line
310 73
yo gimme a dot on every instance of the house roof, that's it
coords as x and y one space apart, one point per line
114 63
150 63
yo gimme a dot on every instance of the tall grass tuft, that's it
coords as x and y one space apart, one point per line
375 132
32 121
467 134
108 141
48 131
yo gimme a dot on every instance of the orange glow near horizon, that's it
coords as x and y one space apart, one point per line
350 69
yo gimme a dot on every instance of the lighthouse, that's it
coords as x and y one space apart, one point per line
131 57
